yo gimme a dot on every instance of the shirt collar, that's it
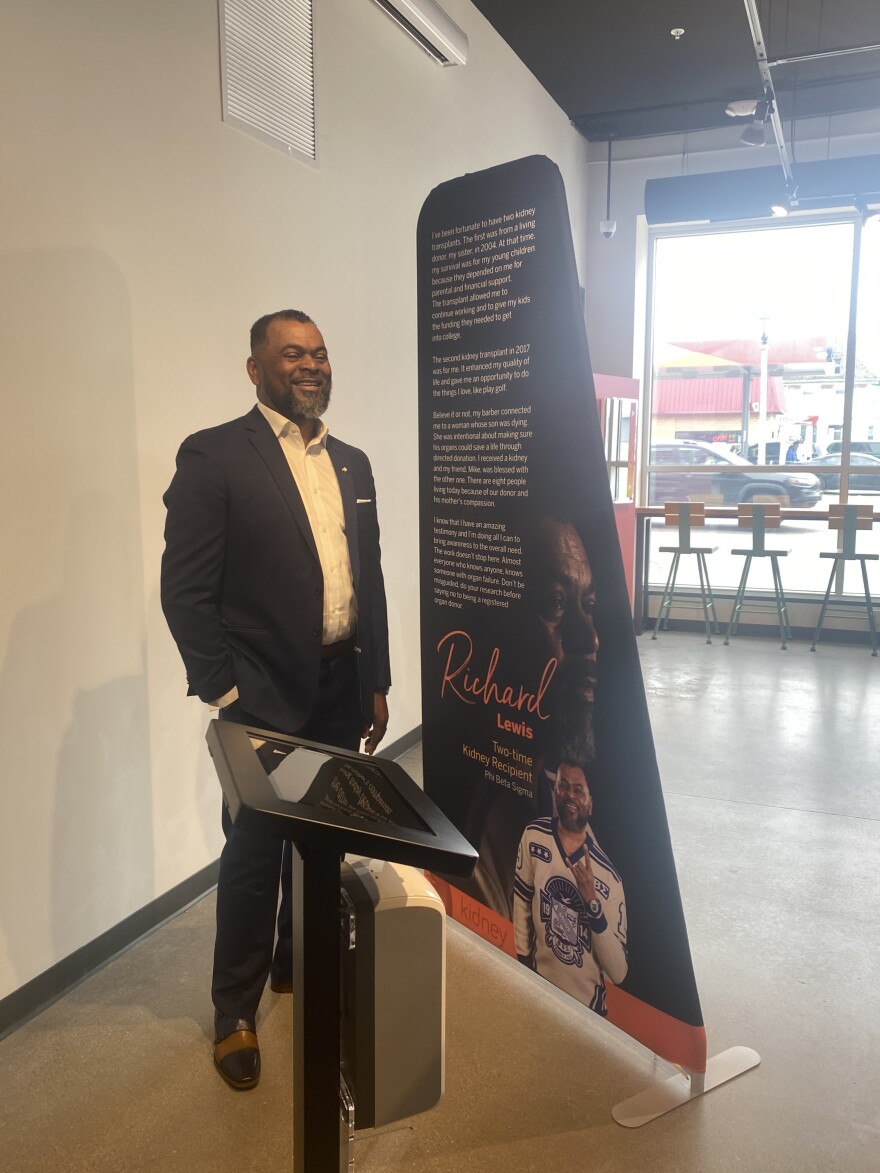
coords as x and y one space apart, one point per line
282 426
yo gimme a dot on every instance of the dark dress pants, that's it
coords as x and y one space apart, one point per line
250 865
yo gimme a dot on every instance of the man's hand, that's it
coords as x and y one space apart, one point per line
582 874
374 734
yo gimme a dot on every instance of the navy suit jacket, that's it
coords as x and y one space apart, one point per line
242 587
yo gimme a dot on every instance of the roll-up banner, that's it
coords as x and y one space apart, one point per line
536 737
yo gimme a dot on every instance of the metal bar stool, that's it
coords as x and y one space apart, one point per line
759 517
686 515
848 519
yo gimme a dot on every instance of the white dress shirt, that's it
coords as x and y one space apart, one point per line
315 477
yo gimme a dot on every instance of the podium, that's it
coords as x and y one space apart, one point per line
328 803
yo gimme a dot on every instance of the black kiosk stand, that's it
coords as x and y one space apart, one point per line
328 803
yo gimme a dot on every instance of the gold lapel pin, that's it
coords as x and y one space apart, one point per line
344 468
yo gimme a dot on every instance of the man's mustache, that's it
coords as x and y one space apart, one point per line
579 673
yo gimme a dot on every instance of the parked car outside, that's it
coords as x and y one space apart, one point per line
872 447
742 483
866 472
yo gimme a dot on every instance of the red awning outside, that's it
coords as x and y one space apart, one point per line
719 396
747 351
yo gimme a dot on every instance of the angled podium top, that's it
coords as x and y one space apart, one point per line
332 800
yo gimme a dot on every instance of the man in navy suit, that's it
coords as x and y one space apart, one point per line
272 588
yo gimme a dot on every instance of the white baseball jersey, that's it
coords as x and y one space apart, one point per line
570 942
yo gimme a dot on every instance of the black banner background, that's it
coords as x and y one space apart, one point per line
497 282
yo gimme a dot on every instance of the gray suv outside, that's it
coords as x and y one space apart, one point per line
872 447
802 489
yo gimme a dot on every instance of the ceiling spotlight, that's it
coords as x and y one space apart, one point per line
755 135
741 108
677 33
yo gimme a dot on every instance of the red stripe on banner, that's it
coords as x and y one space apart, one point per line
666 1036
495 929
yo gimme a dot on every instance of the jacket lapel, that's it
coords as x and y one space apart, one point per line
349 506
266 443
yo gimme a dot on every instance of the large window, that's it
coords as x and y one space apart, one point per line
754 392
863 422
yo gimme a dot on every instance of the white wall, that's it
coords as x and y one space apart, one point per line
139 239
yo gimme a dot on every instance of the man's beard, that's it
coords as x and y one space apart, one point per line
569 823
315 406
573 736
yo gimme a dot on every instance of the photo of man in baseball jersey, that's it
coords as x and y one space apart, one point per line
569 911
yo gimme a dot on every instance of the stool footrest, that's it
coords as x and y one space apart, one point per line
688 549
842 604
780 605
706 597
762 553
849 557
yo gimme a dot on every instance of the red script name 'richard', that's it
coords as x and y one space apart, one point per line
459 677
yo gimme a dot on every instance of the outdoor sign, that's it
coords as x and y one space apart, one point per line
537 742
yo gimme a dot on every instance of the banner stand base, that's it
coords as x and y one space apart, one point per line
679 1089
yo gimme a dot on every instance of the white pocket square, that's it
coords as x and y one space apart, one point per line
363 500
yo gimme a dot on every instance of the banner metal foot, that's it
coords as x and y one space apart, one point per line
679 1089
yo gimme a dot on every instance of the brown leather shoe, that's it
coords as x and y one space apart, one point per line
237 1052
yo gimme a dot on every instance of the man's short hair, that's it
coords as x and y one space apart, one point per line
261 325
567 763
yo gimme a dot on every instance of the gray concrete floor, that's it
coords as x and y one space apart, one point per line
770 769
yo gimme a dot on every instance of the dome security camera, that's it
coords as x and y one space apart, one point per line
608 228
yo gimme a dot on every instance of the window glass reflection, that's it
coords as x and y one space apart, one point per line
747 397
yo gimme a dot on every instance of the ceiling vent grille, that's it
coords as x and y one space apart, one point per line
267 72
